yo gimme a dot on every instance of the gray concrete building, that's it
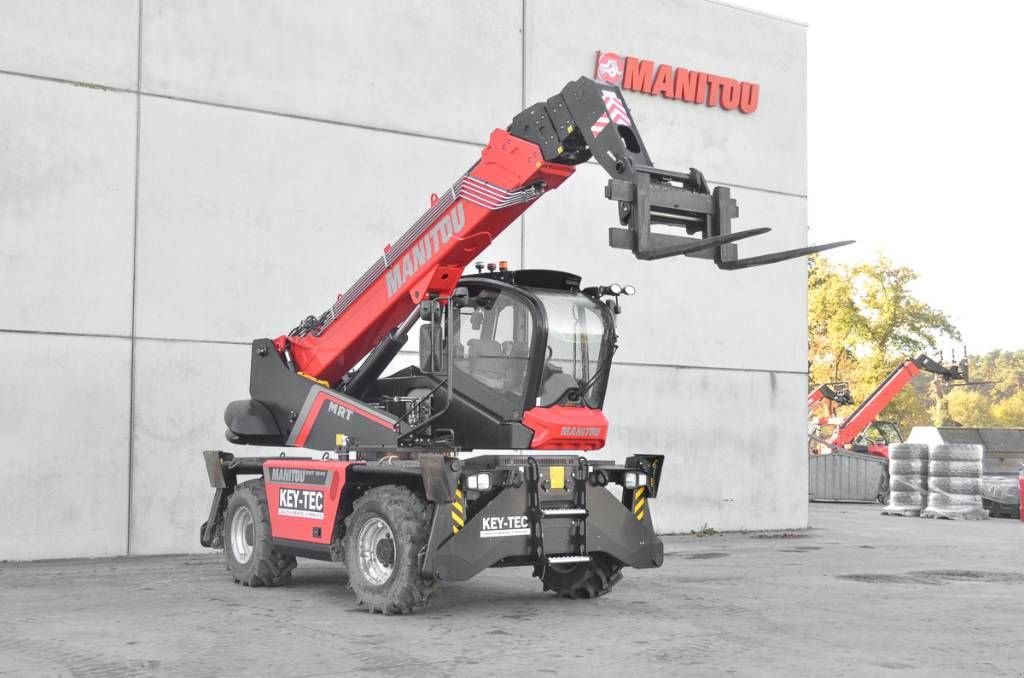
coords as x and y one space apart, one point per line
177 179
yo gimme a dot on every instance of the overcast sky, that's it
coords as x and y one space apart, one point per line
915 141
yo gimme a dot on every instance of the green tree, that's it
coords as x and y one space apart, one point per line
970 407
995 396
835 324
898 325
863 321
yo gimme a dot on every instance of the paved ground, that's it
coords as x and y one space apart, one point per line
858 594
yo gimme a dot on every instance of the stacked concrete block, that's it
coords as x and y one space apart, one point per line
954 482
908 479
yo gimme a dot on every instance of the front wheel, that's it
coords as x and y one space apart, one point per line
248 544
582 580
384 535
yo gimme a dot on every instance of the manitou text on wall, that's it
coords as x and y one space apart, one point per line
695 87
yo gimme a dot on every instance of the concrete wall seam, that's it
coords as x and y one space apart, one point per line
184 178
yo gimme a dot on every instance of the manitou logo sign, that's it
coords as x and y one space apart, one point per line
695 87
427 247
581 431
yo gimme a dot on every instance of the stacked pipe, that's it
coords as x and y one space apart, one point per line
954 482
908 479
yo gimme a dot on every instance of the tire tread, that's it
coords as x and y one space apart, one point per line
408 512
585 580
271 568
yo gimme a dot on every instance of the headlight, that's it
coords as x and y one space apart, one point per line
479 481
634 479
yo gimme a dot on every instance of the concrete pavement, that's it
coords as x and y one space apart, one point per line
857 594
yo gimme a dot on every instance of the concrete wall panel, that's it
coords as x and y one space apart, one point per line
766 149
64 409
181 391
451 70
736 454
66 201
94 42
250 222
686 311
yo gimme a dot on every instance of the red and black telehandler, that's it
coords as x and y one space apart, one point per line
849 431
860 431
508 360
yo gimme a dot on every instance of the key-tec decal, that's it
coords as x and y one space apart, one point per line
505 526
300 503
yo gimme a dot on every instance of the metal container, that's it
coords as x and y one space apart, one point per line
844 476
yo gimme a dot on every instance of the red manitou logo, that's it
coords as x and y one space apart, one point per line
695 87
610 67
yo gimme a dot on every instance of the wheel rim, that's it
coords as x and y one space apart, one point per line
376 547
242 535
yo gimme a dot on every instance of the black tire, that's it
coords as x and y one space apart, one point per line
954 502
902 451
582 580
907 501
955 469
263 566
909 484
953 485
956 452
387 578
908 467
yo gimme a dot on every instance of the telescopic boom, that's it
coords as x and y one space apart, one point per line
534 155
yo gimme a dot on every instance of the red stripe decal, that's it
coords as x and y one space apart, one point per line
314 412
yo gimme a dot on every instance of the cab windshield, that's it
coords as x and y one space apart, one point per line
579 337
501 363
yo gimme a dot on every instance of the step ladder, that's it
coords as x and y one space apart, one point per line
577 513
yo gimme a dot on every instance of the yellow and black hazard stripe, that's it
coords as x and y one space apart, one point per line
458 511
640 502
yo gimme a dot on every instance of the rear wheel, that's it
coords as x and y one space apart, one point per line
248 545
582 580
384 535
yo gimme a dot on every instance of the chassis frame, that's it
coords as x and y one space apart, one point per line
537 510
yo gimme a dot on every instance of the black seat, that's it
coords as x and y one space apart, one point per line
487 362
251 422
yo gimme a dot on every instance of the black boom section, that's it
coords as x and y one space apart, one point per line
289 409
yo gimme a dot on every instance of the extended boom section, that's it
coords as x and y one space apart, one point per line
536 154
